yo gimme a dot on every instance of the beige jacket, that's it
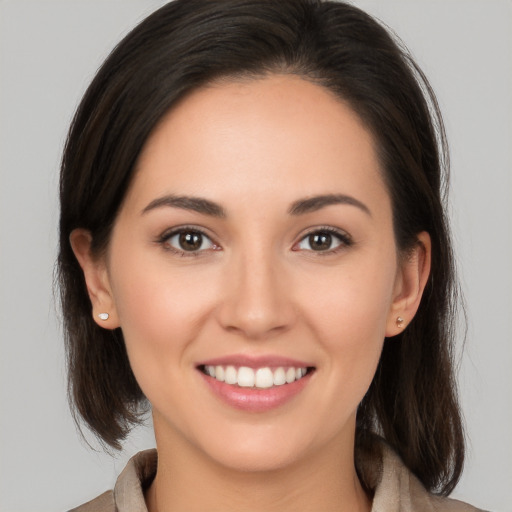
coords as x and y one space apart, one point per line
396 489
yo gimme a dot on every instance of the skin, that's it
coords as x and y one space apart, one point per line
255 147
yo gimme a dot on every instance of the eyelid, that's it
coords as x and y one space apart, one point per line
166 235
344 238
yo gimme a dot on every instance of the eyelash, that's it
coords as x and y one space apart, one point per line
344 239
164 238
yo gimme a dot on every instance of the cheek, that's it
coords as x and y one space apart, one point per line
352 303
160 309
161 314
348 315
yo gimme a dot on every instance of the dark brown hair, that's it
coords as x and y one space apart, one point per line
412 401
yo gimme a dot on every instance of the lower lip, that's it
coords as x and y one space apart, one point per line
254 399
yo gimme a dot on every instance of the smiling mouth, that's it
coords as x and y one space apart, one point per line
256 378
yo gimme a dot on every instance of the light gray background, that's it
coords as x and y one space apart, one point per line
49 51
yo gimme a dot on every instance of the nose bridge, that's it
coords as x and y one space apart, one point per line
256 302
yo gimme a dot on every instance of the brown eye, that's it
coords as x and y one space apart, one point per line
324 240
320 241
187 241
190 241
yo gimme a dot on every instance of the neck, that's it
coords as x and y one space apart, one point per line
188 480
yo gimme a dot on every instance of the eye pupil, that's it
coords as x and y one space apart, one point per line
190 241
320 241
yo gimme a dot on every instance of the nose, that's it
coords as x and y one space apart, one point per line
257 299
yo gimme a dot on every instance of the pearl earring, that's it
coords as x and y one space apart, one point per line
399 322
103 316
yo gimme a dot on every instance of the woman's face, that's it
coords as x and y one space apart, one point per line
257 234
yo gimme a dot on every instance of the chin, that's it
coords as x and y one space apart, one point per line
254 450
258 460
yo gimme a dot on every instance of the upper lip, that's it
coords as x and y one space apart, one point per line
260 361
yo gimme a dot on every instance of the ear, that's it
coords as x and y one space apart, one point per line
96 278
410 283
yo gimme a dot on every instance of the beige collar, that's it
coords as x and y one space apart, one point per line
395 488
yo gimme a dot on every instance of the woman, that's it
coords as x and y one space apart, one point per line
253 242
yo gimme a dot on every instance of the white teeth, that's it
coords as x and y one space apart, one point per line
264 378
219 373
246 377
231 376
279 377
261 378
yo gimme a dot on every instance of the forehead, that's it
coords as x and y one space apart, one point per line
279 135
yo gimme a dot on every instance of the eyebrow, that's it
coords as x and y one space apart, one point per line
207 207
196 204
312 204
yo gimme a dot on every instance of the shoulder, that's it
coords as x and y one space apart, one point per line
128 493
103 503
396 488
421 499
398 484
